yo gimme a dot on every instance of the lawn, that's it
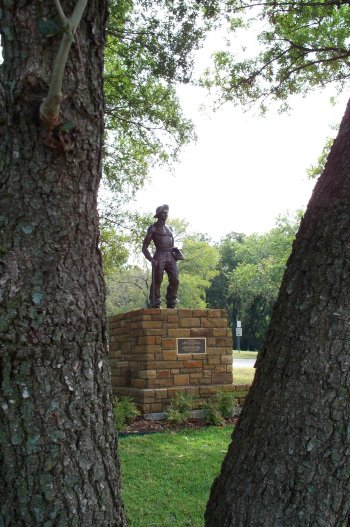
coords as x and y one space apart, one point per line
166 477
244 354
243 375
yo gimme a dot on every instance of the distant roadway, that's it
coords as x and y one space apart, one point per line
243 363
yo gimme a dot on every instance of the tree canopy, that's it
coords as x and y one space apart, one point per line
302 46
250 271
150 49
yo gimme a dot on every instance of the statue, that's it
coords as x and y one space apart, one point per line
164 259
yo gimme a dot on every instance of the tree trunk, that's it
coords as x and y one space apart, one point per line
59 464
289 461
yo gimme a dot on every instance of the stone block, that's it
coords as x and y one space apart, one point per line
214 360
199 313
192 390
219 332
226 359
159 383
147 340
184 313
172 319
215 313
172 391
193 364
162 317
156 332
214 322
167 365
156 407
151 324
147 374
181 379
202 332
168 311
169 343
179 333
219 378
138 383
169 355
190 322
163 374
161 393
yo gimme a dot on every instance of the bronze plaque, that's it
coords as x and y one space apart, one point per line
191 346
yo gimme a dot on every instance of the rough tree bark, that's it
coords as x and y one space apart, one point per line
289 461
59 463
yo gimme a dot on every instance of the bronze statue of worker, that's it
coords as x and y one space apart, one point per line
164 259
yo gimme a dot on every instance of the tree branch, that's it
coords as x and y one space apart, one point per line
287 5
61 13
51 105
294 45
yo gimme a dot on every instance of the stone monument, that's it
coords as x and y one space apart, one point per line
155 353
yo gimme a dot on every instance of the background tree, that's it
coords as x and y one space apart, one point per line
128 289
250 271
286 464
256 279
196 272
218 295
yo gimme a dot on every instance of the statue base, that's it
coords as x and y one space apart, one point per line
155 353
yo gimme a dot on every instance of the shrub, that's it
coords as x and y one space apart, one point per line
180 407
219 407
226 403
125 412
211 413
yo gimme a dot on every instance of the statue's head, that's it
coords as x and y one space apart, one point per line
160 210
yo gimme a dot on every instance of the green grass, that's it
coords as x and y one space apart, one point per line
243 375
244 354
166 477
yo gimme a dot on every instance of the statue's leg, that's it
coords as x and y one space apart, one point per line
173 276
157 278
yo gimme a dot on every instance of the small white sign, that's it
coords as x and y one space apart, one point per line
239 324
239 332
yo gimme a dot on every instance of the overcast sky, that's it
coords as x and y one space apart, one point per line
244 170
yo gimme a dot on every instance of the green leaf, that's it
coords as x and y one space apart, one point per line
67 126
48 27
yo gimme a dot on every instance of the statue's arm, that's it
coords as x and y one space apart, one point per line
146 242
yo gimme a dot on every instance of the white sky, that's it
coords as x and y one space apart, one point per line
244 170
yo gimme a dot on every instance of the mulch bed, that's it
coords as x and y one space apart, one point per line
144 426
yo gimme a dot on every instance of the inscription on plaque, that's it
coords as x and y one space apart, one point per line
191 345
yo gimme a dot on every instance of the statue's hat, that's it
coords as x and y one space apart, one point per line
160 209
